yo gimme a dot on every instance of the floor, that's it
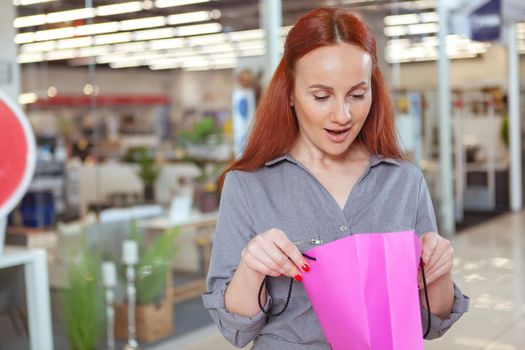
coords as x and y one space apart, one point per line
489 268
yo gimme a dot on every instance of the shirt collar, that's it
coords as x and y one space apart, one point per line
287 157
374 160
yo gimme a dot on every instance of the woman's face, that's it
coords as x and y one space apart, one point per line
332 96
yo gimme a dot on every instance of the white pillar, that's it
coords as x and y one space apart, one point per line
516 194
9 69
445 138
271 17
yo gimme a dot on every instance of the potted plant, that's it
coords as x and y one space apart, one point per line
148 170
83 302
154 310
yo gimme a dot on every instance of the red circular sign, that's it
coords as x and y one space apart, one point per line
16 154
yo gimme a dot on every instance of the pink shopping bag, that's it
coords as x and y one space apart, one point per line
363 289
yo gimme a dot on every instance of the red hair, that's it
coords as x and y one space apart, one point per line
275 128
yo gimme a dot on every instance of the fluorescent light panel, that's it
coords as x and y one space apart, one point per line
116 9
199 16
173 3
75 42
99 28
198 29
29 21
70 15
154 34
50 34
28 97
112 38
29 2
139 23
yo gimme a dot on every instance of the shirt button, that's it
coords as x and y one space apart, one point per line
343 228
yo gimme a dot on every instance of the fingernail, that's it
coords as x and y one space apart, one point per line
305 268
298 278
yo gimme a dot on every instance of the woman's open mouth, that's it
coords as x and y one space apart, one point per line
337 135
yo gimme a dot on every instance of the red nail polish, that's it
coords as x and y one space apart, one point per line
305 268
298 278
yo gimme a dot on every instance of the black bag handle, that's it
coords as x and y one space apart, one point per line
266 283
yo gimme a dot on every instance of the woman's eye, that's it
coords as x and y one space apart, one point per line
320 98
358 97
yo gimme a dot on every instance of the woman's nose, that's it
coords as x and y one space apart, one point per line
342 113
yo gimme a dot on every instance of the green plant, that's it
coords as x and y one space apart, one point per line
83 302
200 131
154 264
148 169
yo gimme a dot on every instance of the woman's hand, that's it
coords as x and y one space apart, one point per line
272 253
438 258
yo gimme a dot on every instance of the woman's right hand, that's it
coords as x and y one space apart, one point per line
272 253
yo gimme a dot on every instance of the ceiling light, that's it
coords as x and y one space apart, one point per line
130 47
139 23
29 2
172 3
209 67
225 47
60 55
251 45
38 47
116 9
247 35
206 39
396 31
26 98
154 34
70 15
199 16
75 42
23 38
52 91
59 33
429 17
253 52
93 51
112 38
29 21
198 29
30 57
422 28
99 28
397 20
167 65
166 44
128 64
88 89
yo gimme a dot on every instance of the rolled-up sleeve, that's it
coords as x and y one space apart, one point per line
426 222
234 230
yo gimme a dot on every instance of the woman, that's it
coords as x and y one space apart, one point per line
321 163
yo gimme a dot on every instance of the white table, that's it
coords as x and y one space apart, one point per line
37 292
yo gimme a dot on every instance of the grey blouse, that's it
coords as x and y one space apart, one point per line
391 195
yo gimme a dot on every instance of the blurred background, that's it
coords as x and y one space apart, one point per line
137 107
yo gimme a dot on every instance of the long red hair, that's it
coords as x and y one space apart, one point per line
275 128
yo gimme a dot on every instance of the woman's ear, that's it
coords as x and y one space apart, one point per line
291 100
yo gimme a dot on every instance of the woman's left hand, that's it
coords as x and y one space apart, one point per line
438 258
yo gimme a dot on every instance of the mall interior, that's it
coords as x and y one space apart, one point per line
136 107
